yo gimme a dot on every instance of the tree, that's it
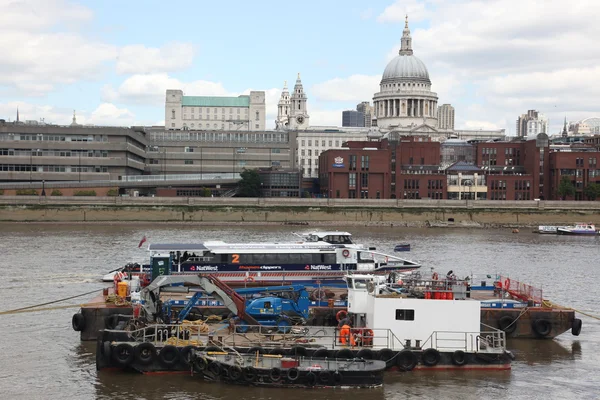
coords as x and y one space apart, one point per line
250 183
565 187
592 191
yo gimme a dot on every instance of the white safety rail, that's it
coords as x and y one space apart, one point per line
490 340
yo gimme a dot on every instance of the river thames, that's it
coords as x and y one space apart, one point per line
42 357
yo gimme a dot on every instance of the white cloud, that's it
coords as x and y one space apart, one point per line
355 88
36 56
105 114
139 59
541 57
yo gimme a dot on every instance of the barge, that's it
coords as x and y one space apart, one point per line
383 324
255 369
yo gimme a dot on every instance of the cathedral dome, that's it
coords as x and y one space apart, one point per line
406 66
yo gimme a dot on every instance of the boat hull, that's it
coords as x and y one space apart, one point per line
575 232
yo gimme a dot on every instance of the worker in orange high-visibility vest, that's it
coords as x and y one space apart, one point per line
346 336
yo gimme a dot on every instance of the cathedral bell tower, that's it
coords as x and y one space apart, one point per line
298 118
283 109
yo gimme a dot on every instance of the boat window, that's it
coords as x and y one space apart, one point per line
329 258
270 258
267 304
360 284
305 258
365 257
405 315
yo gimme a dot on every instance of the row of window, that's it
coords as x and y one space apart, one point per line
54 153
323 141
50 168
52 138
216 117
243 137
207 109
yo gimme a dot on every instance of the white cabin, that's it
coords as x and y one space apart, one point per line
433 323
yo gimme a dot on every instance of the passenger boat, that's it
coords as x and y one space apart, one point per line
327 256
279 371
402 247
578 229
549 229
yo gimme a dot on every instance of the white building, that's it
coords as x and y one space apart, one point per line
446 116
532 123
292 112
242 113
311 143
405 99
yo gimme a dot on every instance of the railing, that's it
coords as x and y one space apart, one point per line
520 290
488 341
179 177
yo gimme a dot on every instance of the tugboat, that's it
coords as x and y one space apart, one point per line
279 371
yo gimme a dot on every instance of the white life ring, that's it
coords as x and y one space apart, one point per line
346 253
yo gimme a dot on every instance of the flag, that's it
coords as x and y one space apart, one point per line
142 241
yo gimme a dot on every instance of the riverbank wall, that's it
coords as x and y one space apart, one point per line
294 211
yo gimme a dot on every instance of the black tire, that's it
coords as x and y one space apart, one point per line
253 350
235 372
111 321
249 374
169 355
325 377
78 322
310 379
298 351
214 368
337 377
366 354
186 354
576 327
386 355
277 352
344 353
459 358
293 374
507 324
200 364
144 353
541 327
406 360
430 357
275 374
321 353
106 350
122 354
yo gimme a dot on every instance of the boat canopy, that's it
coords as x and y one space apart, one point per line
177 247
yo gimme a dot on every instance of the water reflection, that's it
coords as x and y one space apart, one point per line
543 352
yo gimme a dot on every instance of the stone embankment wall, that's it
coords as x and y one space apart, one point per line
297 211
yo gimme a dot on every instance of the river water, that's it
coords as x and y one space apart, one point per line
41 357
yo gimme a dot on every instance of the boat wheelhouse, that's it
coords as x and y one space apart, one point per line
578 229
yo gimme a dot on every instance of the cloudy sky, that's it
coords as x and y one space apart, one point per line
112 60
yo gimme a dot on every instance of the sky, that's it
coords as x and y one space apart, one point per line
112 60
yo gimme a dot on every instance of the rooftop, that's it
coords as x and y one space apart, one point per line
214 101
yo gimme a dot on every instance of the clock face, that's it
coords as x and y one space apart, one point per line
300 119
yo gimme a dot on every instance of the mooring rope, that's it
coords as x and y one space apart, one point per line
550 304
29 308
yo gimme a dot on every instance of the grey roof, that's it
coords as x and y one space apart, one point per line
406 67
461 166
177 247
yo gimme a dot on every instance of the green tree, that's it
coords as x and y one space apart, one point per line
205 192
592 191
565 187
250 183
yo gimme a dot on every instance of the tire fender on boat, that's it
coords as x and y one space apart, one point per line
337 377
78 322
406 360
576 327
200 364
235 372
249 374
344 353
298 351
186 354
325 377
366 354
386 355
122 354
253 350
277 352
214 368
321 353
144 353
169 355
111 321
430 357
311 379
293 374
459 358
275 374
541 327
507 324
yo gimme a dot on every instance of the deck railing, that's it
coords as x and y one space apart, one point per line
488 340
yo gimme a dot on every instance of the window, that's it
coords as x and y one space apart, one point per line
188 162
172 114
257 116
337 143
256 126
330 143
303 143
310 142
364 180
405 315
323 143
352 179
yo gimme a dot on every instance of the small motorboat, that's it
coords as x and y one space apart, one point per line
578 229
402 247
256 369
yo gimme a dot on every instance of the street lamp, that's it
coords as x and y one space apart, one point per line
470 183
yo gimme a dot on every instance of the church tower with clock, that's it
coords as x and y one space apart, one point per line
298 117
